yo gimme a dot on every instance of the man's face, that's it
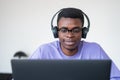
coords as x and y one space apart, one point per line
70 33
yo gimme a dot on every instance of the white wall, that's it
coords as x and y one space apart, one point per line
25 24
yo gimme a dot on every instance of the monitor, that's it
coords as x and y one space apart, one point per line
25 69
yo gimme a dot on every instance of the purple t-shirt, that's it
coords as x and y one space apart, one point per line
86 50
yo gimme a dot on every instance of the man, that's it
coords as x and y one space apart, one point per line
70 31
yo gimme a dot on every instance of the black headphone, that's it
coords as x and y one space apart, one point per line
84 29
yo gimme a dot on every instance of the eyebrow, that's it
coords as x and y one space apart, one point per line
70 29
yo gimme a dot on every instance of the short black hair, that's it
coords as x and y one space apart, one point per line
71 13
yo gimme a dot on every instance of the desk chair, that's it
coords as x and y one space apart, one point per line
5 76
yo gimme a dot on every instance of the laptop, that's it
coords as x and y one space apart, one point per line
24 69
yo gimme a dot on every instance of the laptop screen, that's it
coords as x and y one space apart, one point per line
61 69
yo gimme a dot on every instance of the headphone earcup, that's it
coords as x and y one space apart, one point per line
84 32
55 32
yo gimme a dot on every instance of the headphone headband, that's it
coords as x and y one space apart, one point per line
54 17
85 30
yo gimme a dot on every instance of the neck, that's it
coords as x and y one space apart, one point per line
69 52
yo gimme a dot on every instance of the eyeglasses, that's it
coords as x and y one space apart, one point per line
74 30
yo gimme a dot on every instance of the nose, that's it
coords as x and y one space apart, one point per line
69 34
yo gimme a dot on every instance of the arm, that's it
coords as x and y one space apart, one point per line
115 72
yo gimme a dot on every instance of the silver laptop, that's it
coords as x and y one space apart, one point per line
25 69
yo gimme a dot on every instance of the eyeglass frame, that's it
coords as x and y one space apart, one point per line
72 30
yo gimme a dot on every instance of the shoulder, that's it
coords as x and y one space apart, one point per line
49 45
91 44
45 50
95 50
93 47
